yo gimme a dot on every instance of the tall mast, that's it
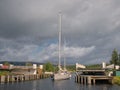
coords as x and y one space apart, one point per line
64 55
60 32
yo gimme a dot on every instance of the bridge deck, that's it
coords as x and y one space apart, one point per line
91 76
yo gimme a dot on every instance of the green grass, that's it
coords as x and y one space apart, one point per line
4 73
116 80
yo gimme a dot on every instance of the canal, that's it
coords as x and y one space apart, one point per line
48 84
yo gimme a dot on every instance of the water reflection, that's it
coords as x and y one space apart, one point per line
48 84
61 85
34 85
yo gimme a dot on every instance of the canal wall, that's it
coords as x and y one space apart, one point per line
21 78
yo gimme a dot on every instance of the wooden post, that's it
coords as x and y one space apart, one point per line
89 80
2 79
38 76
13 79
21 77
75 78
82 79
8 78
93 81
78 79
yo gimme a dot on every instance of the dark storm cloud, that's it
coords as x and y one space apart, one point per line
17 19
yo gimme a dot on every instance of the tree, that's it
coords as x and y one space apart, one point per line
114 59
48 67
6 63
28 64
119 59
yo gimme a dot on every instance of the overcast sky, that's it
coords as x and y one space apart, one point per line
29 30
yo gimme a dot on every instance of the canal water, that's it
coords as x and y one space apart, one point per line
48 84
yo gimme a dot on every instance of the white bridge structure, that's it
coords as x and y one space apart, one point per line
112 66
80 66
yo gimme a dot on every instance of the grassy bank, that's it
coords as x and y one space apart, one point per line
116 80
4 73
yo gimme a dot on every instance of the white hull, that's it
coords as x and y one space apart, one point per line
61 76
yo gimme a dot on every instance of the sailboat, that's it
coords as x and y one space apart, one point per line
62 74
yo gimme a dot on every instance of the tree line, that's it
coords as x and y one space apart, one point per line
115 57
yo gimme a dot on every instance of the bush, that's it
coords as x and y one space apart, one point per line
48 67
116 80
4 73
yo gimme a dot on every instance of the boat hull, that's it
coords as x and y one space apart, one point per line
60 76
